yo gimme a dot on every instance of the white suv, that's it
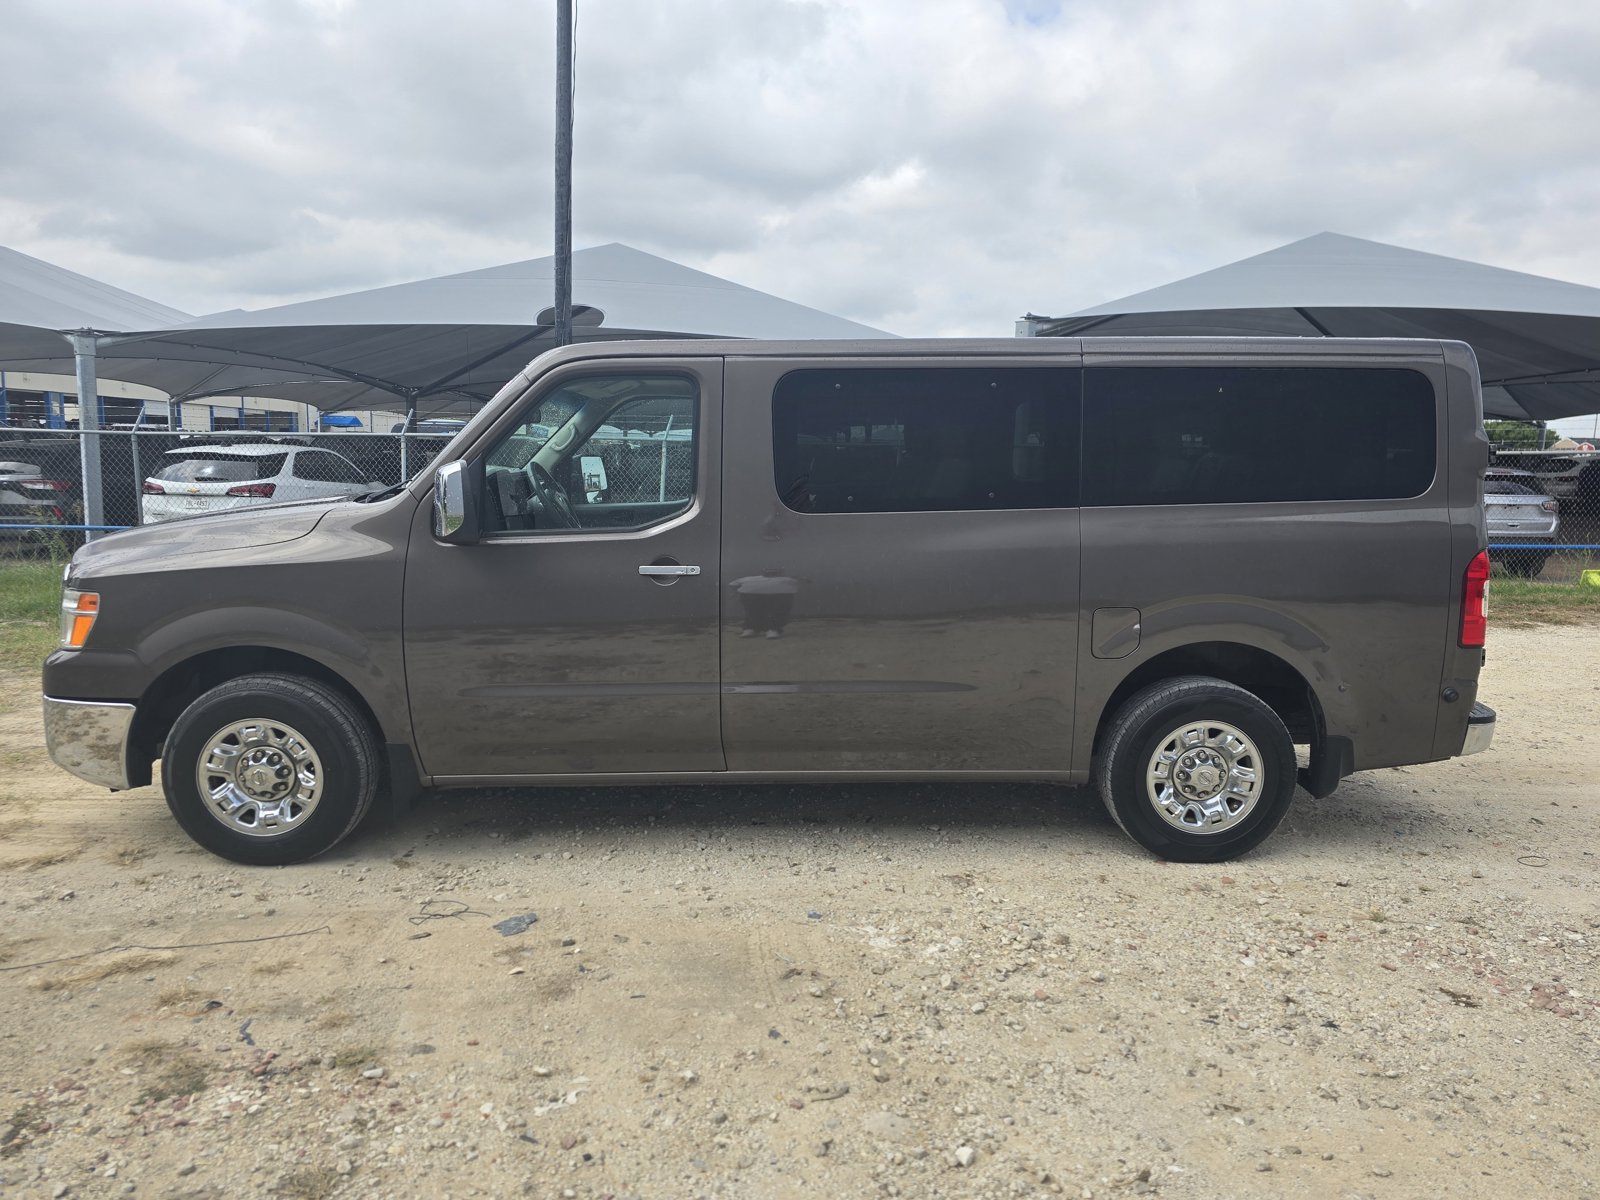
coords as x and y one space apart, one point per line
198 481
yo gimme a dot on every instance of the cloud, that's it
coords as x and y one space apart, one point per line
930 166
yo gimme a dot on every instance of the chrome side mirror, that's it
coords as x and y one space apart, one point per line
455 508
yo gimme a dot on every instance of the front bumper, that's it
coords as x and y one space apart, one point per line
1480 729
90 739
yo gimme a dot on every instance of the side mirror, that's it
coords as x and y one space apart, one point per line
455 505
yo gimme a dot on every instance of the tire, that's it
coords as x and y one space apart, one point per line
1527 564
317 771
1234 819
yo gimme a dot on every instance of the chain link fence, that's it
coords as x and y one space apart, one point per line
1542 508
138 476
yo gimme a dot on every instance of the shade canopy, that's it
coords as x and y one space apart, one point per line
1537 339
445 344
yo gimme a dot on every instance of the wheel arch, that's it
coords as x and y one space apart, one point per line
176 687
1279 684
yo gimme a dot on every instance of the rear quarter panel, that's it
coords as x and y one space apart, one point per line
1355 595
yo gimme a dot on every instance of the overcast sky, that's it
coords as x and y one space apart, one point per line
927 166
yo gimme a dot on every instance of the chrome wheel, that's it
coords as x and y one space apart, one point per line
1204 777
259 778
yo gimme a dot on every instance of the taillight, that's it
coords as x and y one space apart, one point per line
1551 506
151 488
261 491
46 485
1475 602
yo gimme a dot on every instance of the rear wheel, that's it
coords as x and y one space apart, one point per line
270 769
1527 564
1196 769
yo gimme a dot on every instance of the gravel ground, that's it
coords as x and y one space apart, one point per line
958 991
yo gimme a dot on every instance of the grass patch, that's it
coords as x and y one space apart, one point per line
172 1070
107 968
38 862
30 608
185 996
357 1057
308 1183
338 1018
23 1121
30 591
1517 603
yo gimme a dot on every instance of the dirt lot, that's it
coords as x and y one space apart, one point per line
843 991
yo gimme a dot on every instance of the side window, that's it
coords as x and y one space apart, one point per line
323 467
600 452
920 439
1255 435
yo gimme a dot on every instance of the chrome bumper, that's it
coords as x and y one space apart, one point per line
1480 729
90 739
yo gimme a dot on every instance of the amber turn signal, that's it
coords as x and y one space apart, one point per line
78 611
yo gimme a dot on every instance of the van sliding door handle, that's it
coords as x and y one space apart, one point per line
672 569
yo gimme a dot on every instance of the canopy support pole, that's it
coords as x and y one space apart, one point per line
563 321
83 351
405 439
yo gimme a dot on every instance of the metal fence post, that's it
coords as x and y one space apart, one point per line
83 350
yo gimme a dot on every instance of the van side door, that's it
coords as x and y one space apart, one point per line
900 563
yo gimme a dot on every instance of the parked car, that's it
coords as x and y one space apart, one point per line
39 487
978 561
1564 474
1516 510
193 482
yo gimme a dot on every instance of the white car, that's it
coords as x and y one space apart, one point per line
196 481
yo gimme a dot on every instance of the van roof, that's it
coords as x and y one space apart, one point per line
1413 348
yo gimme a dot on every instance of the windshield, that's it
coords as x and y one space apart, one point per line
220 469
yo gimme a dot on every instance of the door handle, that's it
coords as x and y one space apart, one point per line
668 569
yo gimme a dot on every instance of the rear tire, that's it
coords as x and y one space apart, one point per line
1527 564
270 769
1196 769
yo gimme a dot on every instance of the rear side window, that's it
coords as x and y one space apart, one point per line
220 469
321 466
1254 435
918 439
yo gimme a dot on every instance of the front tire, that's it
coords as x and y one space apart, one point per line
270 769
1196 769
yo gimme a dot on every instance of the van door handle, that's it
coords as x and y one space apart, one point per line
668 569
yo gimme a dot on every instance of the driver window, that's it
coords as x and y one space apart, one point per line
596 453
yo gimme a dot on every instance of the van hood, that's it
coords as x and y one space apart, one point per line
143 548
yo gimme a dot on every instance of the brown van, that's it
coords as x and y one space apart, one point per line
1160 565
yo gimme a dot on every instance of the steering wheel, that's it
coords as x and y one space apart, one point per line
552 498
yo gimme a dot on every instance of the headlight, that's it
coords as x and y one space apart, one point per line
78 611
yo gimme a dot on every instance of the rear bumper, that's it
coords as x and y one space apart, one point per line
89 739
1480 729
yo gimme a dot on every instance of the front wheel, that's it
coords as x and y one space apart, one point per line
1196 769
270 769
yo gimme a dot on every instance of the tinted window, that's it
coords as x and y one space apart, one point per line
1229 435
219 469
900 439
